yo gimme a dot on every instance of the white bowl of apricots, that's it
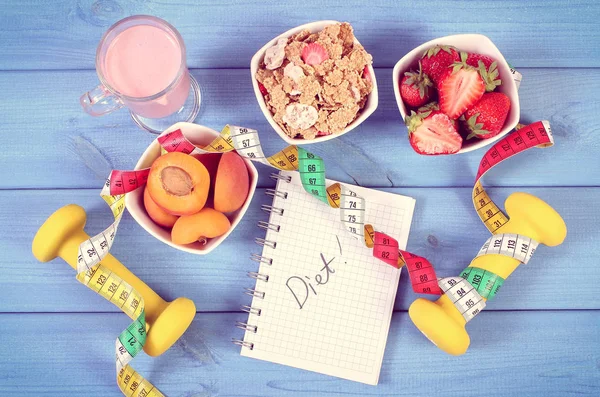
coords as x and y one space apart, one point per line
192 202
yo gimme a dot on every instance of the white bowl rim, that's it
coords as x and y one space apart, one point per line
503 67
370 107
133 206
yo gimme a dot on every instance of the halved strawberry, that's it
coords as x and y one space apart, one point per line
314 54
486 119
459 89
437 60
486 66
416 88
432 133
434 108
263 89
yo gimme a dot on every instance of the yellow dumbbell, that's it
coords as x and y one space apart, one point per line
440 321
61 235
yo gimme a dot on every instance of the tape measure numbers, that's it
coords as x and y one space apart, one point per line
467 292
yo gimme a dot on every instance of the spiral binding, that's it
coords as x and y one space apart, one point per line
269 208
262 259
273 193
285 178
268 226
268 243
259 276
253 292
242 343
246 326
251 310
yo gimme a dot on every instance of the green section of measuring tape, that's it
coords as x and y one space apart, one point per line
312 174
486 283
134 336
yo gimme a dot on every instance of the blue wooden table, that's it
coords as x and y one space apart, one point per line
541 336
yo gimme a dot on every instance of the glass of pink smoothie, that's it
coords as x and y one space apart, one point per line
141 65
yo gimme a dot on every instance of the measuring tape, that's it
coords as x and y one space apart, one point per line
467 292
475 285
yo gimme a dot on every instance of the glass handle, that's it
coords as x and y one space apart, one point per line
100 101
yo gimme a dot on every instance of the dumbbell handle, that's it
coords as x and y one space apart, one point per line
503 266
154 304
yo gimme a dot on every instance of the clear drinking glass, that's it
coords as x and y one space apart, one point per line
141 64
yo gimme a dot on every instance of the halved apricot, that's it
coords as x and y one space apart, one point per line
207 223
178 183
157 214
232 183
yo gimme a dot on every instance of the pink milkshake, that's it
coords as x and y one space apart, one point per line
142 61
141 64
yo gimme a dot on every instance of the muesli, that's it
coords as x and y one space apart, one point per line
316 84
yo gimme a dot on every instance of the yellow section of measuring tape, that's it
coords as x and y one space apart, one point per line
114 289
246 143
116 203
490 214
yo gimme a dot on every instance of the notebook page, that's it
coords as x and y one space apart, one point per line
328 302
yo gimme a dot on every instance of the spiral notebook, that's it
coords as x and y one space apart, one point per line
321 301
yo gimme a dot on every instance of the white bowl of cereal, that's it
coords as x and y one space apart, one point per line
314 82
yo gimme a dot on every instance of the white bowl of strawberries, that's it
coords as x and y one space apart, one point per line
456 94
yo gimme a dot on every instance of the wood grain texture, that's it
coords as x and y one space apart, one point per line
550 353
225 34
445 229
539 337
56 145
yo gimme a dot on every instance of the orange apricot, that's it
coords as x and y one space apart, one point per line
157 214
211 162
207 223
178 183
232 183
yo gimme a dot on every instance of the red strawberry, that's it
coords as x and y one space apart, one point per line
473 60
432 133
416 88
436 60
262 89
366 73
459 89
314 54
435 109
487 67
487 117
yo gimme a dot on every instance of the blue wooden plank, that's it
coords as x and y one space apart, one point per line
64 34
445 229
54 144
512 353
